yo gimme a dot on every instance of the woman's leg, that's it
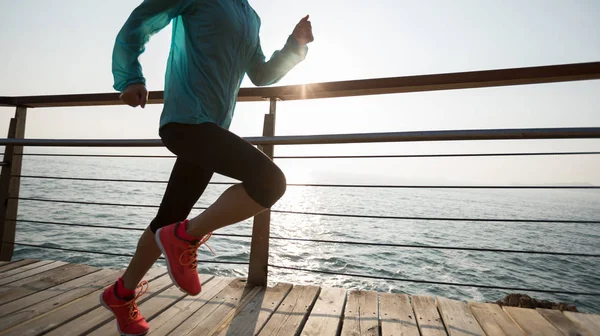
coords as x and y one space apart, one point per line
216 149
186 184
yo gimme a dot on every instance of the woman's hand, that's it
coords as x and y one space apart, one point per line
134 95
303 32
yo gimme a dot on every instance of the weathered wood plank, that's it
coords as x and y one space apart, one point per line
28 312
458 318
24 268
291 314
561 322
16 264
428 318
208 316
46 280
397 316
225 313
30 273
249 320
70 311
361 316
100 315
493 320
531 322
151 307
326 316
590 322
171 318
15 306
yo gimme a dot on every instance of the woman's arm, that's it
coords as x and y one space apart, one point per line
146 20
263 72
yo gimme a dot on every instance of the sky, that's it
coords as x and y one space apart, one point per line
65 46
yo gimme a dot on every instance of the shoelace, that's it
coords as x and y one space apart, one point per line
133 309
192 252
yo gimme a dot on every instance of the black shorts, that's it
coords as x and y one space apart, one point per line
205 149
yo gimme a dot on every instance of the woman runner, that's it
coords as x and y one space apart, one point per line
213 45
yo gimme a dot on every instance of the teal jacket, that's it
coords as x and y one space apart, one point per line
214 44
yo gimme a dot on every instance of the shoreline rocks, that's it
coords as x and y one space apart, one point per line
525 301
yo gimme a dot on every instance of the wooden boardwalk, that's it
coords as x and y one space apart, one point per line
56 298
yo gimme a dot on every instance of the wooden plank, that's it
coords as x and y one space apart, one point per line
21 315
256 313
209 316
291 314
493 320
326 316
225 313
100 315
361 316
397 316
561 322
71 311
589 322
151 307
51 292
531 322
24 268
458 318
171 318
428 318
30 273
17 264
46 280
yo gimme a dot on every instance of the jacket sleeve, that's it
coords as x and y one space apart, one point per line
146 20
269 72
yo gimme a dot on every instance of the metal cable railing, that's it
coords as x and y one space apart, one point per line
326 241
508 220
354 138
521 289
118 254
379 186
478 79
382 156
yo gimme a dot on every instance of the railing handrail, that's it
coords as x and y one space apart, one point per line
362 87
410 136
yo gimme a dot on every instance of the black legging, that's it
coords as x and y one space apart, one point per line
205 149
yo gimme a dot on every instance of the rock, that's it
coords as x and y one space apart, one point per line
525 301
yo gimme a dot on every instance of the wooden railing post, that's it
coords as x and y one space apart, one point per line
9 185
259 248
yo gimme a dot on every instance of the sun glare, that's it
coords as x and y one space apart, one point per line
326 61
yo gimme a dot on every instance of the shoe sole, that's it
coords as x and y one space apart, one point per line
162 249
119 329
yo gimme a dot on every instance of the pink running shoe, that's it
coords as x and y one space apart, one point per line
182 257
130 321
